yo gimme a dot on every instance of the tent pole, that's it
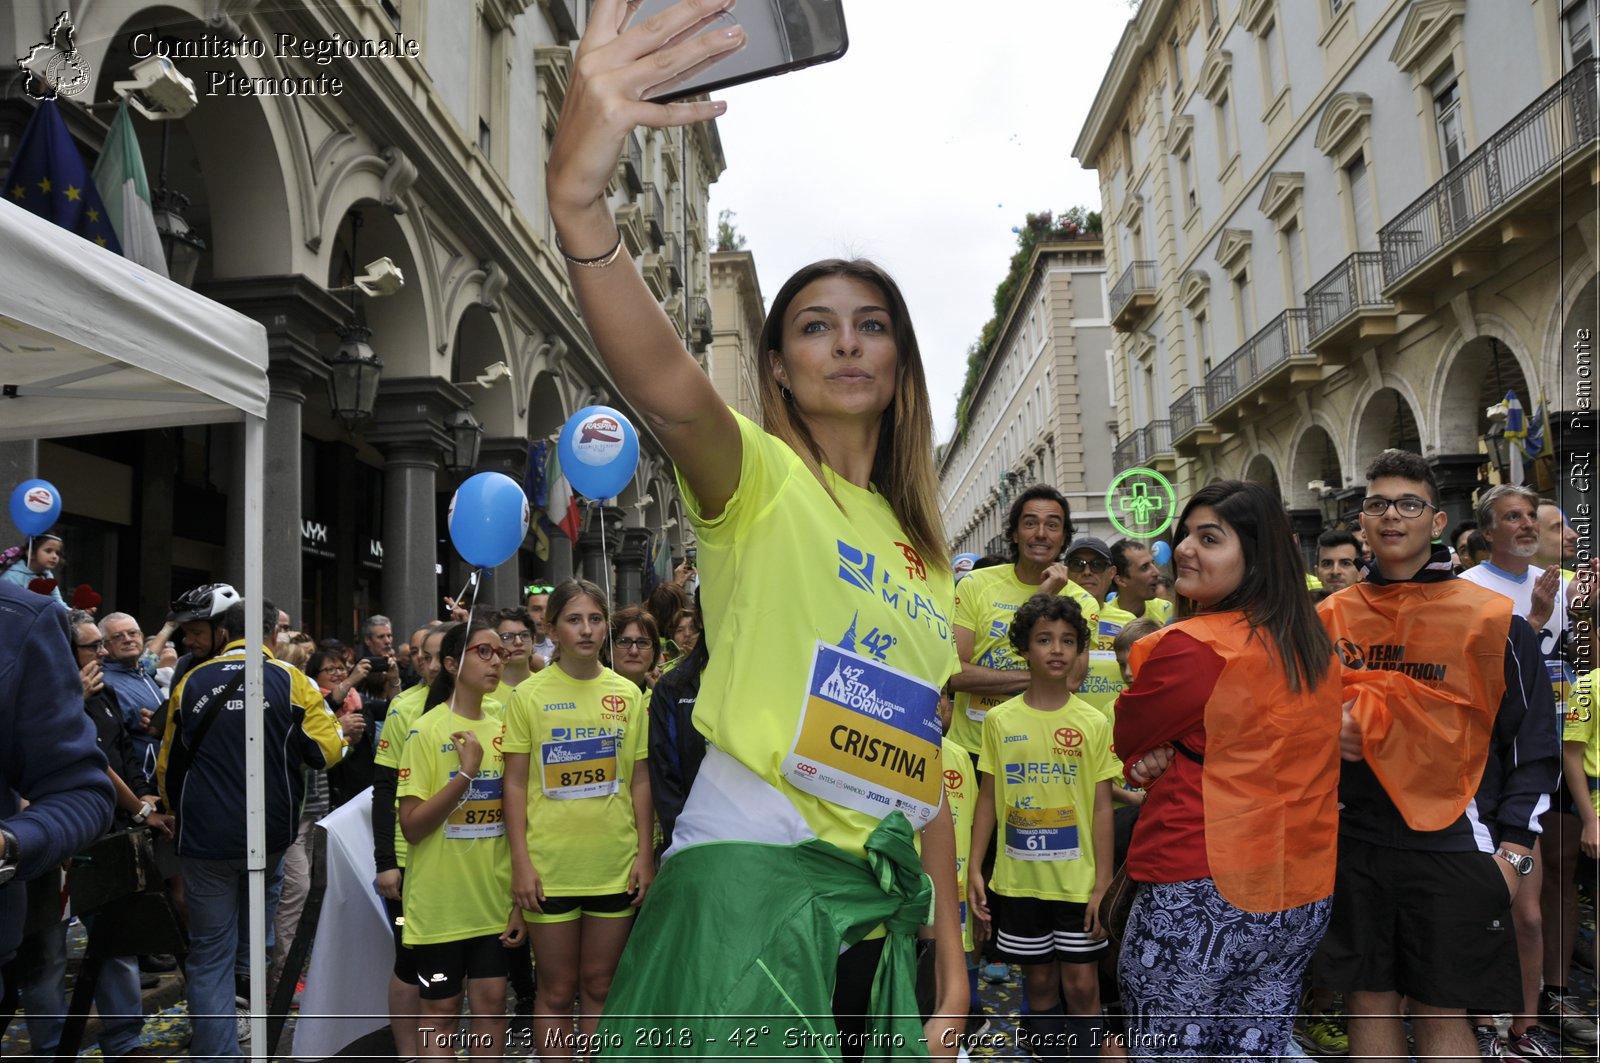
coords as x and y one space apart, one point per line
255 429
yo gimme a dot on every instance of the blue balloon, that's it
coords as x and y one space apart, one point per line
1161 551
599 452
488 519
35 505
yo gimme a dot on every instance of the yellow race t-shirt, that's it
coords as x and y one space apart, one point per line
458 879
397 724
961 790
830 638
1581 726
986 603
583 738
1045 767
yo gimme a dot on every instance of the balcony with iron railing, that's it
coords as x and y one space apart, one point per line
1507 192
674 256
630 224
700 321
1191 422
633 164
1132 295
1348 306
655 213
1149 445
1266 369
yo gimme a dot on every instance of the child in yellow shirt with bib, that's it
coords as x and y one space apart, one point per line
1045 782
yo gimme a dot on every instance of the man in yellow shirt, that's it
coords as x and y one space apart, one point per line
1037 527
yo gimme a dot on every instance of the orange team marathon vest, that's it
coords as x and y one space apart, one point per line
1425 663
1270 779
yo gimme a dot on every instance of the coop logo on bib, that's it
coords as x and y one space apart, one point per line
599 440
868 737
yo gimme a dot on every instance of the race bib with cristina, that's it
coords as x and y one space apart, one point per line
869 737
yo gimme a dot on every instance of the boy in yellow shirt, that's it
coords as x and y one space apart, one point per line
1045 773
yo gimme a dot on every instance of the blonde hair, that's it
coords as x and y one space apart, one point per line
902 468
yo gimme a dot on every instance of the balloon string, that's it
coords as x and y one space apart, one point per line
605 568
472 586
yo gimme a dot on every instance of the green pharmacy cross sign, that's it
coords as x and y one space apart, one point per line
1141 503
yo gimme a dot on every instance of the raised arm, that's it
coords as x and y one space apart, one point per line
636 340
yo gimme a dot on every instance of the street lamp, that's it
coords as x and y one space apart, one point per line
1495 435
1327 501
465 436
180 245
353 385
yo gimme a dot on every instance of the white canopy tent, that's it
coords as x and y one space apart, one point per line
91 342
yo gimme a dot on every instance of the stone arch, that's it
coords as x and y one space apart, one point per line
1261 469
241 149
547 408
1475 376
1579 308
400 323
1387 418
479 342
1314 455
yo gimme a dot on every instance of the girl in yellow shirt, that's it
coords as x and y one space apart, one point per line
579 815
459 920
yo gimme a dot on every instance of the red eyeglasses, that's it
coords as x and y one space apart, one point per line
487 652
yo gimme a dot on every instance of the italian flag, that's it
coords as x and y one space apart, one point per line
561 509
119 175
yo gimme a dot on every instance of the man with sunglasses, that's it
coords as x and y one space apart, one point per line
1091 568
538 598
1449 745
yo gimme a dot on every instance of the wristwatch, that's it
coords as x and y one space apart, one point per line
10 856
1522 864
143 813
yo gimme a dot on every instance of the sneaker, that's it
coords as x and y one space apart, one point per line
1326 1031
995 973
241 1009
1490 1046
1533 1043
977 1026
1575 1024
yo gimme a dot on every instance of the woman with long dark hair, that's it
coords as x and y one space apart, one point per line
827 601
1236 842
460 920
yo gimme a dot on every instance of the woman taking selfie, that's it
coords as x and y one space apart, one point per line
578 809
1236 839
827 594
459 917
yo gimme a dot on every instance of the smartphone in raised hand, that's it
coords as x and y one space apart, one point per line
780 36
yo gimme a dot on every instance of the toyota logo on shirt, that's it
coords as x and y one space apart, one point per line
614 704
1070 737
953 779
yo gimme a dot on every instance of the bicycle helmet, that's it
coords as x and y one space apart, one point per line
206 602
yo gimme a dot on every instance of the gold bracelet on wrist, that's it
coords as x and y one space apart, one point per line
598 262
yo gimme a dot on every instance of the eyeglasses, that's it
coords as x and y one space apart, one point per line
516 636
123 636
537 588
631 644
1093 564
95 645
332 668
486 652
1406 505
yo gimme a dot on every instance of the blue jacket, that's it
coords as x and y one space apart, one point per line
298 728
47 749
135 690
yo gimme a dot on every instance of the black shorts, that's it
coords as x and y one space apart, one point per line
405 964
1029 930
571 909
444 966
1435 927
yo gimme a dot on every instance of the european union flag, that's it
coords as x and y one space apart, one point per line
48 177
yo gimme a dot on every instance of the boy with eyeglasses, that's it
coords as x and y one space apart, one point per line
1449 746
